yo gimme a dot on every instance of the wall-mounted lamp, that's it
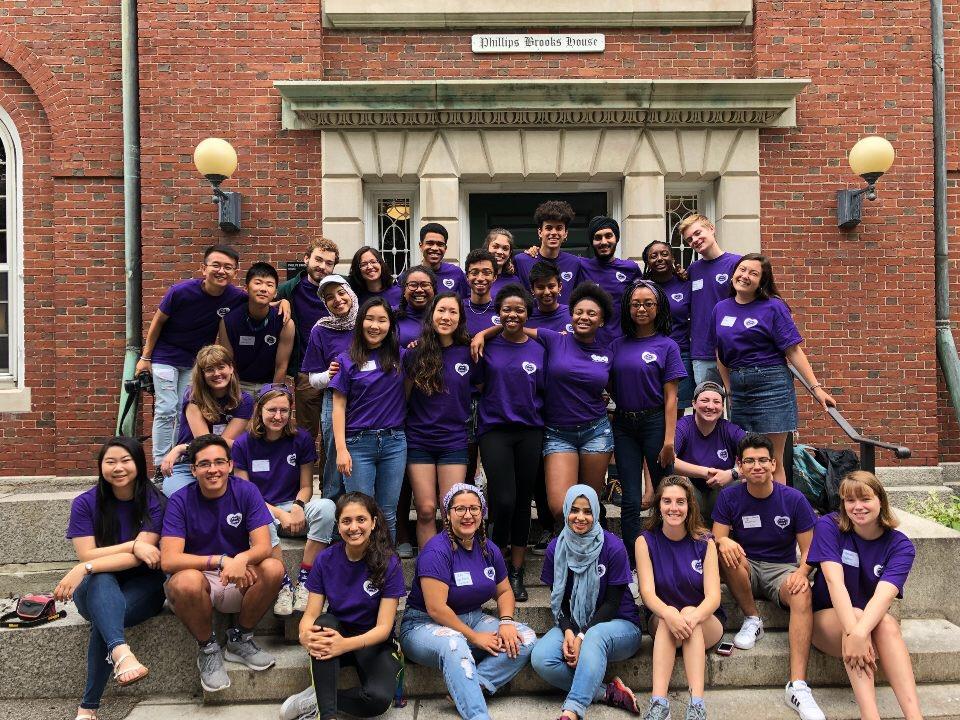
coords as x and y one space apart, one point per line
216 160
870 158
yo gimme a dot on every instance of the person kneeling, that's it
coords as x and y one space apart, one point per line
216 548
680 586
864 563
588 570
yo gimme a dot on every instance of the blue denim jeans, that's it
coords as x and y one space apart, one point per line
112 602
379 461
613 640
638 437
704 368
331 486
169 385
180 478
320 515
467 671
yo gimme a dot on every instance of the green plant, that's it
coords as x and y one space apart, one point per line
946 512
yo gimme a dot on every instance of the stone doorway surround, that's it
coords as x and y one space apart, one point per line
641 133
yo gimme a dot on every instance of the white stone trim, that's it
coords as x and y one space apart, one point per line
14 400
14 397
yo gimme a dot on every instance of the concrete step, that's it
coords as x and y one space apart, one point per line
934 647
911 475
903 496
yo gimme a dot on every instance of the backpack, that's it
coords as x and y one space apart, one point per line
817 473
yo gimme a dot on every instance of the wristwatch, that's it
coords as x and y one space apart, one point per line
734 474
88 568
299 502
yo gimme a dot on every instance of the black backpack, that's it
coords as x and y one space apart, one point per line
817 473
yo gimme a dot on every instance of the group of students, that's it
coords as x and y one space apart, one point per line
544 364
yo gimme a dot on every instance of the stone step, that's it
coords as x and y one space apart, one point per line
902 497
934 646
911 475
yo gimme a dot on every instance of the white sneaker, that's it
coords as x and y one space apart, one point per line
405 551
301 705
750 632
634 585
284 603
300 597
799 696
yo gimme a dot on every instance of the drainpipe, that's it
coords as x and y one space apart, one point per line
130 72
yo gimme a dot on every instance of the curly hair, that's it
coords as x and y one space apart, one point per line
480 537
402 282
694 523
200 393
426 364
591 291
380 549
553 210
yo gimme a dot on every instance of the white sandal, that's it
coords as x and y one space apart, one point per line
117 672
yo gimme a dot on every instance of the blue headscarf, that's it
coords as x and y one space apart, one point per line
578 553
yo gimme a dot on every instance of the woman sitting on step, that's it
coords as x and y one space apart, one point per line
361 581
115 527
864 563
588 570
444 626
680 586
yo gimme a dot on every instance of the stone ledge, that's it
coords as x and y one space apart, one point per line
524 14
14 399
430 104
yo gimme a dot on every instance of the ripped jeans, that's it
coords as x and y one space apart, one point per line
467 671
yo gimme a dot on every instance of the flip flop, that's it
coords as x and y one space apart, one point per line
117 672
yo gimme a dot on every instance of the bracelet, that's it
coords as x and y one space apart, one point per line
815 387
220 562
208 563
133 550
300 503
506 617
144 357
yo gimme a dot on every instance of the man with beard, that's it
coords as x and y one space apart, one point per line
607 270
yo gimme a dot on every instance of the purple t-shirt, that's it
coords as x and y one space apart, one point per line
254 344
86 507
614 276
307 307
576 375
716 450
558 321
569 266
865 562
613 568
471 577
274 467
678 295
753 335
193 320
439 420
641 367
323 347
709 284
218 525
480 317
391 295
409 326
677 568
766 528
346 584
243 411
501 282
375 400
450 278
512 375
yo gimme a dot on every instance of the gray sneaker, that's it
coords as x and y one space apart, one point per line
657 711
242 649
696 712
210 664
300 706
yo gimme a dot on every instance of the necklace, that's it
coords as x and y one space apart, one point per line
479 312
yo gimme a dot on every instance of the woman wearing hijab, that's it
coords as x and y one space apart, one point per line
588 571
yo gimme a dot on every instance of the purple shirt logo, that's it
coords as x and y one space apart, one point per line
292 459
462 369
877 570
495 319
449 283
234 519
782 521
649 357
369 589
600 358
270 339
620 276
569 328
529 368
222 312
490 572
697 566
601 569
723 454
721 278
749 322
566 276
677 297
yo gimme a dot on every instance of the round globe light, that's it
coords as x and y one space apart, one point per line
872 155
215 158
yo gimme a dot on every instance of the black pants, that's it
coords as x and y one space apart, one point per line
378 668
511 456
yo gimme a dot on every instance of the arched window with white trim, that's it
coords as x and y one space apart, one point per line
11 286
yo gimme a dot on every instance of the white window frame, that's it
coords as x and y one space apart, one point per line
705 191
372 195
14 396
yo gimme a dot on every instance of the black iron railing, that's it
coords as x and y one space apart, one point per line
868 446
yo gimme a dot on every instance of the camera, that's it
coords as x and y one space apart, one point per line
142 382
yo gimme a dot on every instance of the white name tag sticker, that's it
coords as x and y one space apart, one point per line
751 521
849 557
368 366
728 321
248 340
218 429
261 465
697 285
463 579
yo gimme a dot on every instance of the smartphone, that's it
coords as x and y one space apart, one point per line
725 649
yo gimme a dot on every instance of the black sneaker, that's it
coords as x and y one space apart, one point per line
540 547
515 575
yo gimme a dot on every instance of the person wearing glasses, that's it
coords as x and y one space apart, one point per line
215 546
418 285
278 457
759 525
188 318
444 625
370 276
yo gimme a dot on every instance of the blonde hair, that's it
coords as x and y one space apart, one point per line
200 393
855 484
256 427
694 218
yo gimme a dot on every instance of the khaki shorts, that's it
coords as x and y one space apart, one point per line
225 598
767 577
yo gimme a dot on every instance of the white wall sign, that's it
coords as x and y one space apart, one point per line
539 43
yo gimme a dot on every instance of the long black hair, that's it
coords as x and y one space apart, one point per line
426 365
389 359
355 277
105 525
380 550
661 323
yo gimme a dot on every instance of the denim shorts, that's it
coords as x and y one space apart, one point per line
687 385
439 456
764 399
589 438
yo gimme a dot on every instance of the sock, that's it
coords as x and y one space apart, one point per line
659 700
209 641
286 582
304 571
696 701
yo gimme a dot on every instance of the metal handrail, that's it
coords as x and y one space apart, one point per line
867 445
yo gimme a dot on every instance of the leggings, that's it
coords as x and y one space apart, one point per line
511 457
378 668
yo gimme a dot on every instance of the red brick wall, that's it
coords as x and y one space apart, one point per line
864 299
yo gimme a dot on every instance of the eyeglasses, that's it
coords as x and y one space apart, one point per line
646 305
282 412
476 272
418 285
207 464
221 266
369 264
461 510
748 462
